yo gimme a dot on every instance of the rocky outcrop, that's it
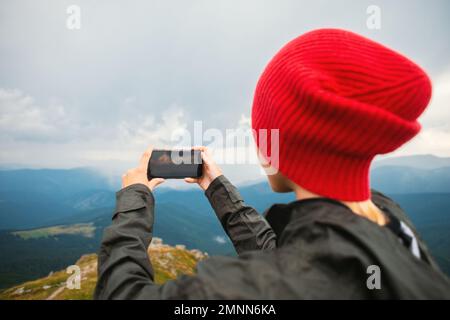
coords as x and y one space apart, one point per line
168 262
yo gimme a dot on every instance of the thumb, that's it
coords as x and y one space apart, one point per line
191 180
152 184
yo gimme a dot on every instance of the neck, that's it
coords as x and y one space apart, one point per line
366 209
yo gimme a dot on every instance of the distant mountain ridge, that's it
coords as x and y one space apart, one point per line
33 198
64 182
397 179
424 161
66 197
79 202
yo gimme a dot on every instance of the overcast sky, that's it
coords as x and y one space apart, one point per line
138 70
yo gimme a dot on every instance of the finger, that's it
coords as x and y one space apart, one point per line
201 148
145 158
206 156
191 180
155 182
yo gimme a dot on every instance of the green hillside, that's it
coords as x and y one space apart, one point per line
83 229
168 263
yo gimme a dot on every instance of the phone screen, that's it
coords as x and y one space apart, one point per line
175 164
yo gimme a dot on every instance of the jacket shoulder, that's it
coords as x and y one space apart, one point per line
384 202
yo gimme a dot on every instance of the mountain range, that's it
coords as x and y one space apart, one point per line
49 218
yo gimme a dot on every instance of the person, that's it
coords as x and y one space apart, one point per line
338 100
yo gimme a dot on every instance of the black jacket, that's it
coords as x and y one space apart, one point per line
307 249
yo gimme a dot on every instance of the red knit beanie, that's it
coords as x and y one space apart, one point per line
338 100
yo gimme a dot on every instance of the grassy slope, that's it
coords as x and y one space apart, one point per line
84 229
168 263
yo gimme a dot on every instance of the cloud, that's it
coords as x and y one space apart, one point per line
22 119
434 137
220 239
33 135
434 141
132 75
142 131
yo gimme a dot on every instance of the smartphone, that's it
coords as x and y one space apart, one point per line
175 164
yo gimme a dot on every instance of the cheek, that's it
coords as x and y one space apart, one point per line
274 183
278 184
281 188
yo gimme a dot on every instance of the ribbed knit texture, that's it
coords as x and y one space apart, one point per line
338 99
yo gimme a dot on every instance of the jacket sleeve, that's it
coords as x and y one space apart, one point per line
247 229
124 267
123 263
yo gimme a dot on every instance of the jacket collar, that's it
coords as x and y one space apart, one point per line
281 215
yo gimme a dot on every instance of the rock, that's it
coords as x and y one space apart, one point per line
168 262
198 254
156 241
20 290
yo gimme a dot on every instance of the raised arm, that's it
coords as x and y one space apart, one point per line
247 229
123 263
